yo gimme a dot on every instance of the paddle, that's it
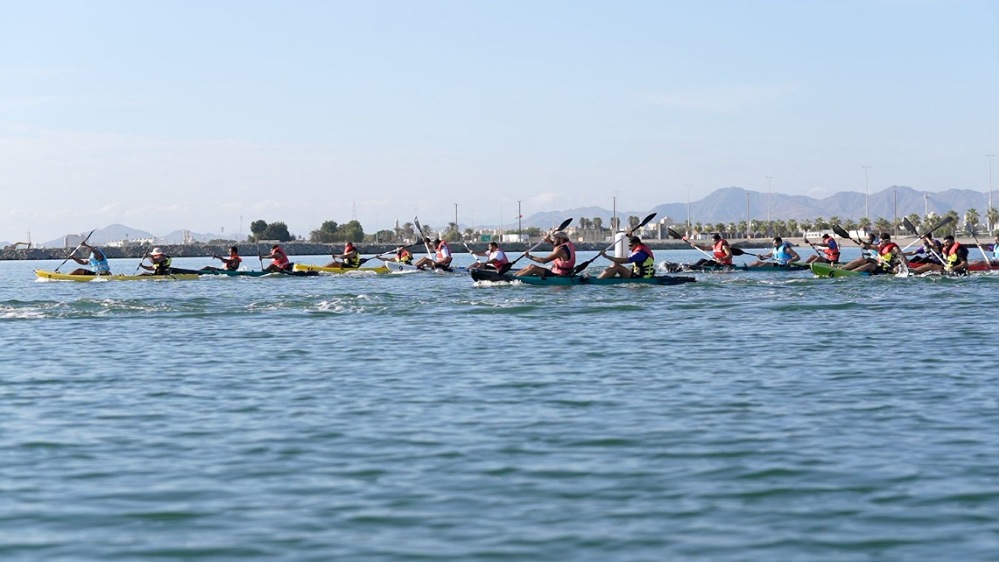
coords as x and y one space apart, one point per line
579 268
144 256
381 255
260 257
971 231
817 253
75 250
911 228
419 229
469 250
561 227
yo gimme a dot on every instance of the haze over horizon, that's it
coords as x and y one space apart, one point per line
207 116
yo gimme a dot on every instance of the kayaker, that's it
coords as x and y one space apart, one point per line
160 263
890 258
230 263
868 253
496 258
97 261
562 258
442 258
995 251
927 253
783 254
350 258
955 257
830 247
402 255
280 261
643 262
720 249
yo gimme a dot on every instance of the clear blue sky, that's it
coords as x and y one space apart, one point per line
191 114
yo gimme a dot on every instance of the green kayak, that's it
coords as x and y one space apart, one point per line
828 270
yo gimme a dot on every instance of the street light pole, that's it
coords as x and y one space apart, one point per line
989 210
688 210
867 195
769 198
456 229
520 224
614 215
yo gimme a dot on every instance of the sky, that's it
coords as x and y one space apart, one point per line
207 115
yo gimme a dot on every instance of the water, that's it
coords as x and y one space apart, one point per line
418 417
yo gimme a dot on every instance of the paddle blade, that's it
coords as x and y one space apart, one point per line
564 224
909 226
969 229
644 222
840 232
738 252
674 234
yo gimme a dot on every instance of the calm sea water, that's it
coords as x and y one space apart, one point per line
419 417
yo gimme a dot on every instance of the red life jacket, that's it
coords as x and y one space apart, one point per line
562 266
720 256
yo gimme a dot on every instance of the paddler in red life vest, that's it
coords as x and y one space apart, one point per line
402 255
562 258
280 260
230 263
496 258
643 263
955 257
349 259
720 249
442 256
890 257
830 247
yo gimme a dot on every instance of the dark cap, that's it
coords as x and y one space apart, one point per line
634 241
716 236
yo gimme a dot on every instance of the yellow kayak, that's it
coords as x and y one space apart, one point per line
54 276
310 267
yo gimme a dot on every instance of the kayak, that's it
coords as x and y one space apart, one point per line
829 270
241 273
308 268
399 267
671 267
479 275
54 276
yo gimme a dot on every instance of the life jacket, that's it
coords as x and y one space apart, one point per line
440 251
163 267
561 266
781 255
99 265
832 250
720 256
952 254
280 258
230 265
886 255
404 256
498 258
648 267
353 258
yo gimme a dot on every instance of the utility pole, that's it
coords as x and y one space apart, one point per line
769 197
688 210
895 224
456 229
520 222
867 209
988 221
614 215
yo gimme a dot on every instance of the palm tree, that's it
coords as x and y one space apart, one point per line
992 217
952 227
633 222
971 217
598 225
865 224
882 225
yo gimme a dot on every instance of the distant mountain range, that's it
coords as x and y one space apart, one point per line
731 204
116 232
723 205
